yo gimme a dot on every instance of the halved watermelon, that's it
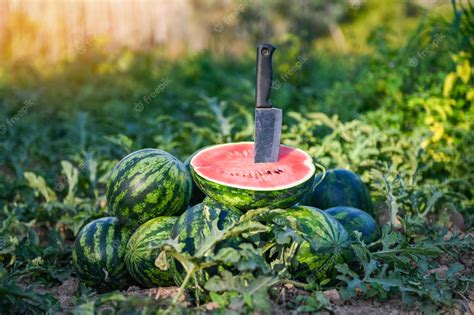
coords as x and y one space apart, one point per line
227 173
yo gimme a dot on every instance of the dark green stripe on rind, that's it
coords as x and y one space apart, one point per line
196 223
143 249
339 188
98 253
197 196
329 236
146 184
245 199
356 220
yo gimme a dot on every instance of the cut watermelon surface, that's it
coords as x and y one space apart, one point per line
227 173
233 165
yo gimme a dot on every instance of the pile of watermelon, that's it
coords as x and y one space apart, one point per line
153 197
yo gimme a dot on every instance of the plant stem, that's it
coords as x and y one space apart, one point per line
267 247
295 283
183 285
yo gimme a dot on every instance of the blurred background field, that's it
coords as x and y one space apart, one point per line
59 28
383 88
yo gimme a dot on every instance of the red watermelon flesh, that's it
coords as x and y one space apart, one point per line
232 165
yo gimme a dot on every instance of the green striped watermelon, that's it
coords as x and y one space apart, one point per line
339 188
197 196
227 173
195 224
98 253
143 249
356 220
326 234
146 184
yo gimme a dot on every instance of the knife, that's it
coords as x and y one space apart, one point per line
268 120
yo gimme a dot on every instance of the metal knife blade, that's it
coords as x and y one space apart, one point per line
267 134
268 120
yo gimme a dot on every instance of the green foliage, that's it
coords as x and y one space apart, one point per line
115 302
17 242
403 267
15 298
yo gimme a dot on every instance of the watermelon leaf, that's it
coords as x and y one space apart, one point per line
72 176
39 185
253 292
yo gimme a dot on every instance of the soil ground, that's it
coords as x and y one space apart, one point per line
66 294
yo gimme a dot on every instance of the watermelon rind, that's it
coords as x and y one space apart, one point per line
146 184
197 196
144 247
339 187
356 220
329 238
194 225
246 198
99 251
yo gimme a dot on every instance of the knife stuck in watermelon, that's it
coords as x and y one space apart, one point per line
227 173
268 120
264 173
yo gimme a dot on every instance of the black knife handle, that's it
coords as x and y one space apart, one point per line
264 75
